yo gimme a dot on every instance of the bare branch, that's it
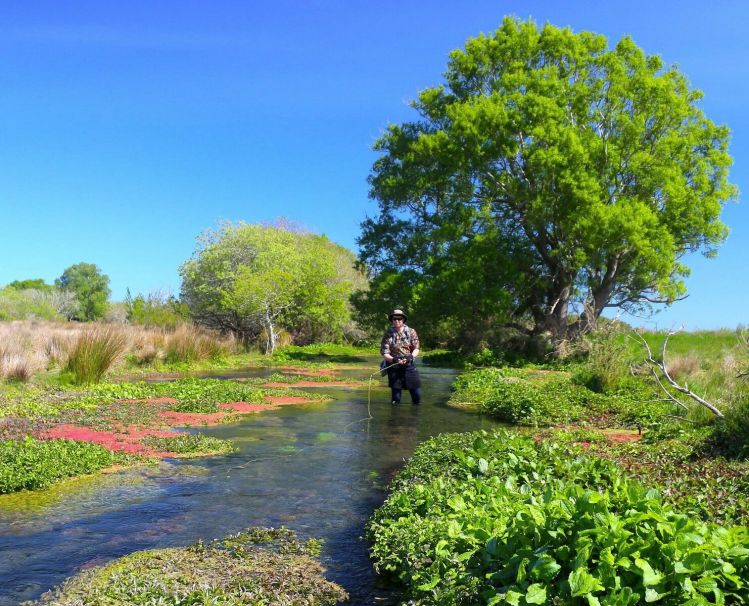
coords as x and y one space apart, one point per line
664 374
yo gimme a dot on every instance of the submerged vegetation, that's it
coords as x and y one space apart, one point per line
257 566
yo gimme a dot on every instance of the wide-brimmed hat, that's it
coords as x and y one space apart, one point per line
397 312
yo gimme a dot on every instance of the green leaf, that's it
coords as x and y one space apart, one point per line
582 582
536 594
545 568
651 595
649 576
706 584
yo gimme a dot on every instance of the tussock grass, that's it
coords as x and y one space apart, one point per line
191 344
31 347
94 353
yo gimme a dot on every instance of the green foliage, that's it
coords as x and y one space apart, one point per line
31 284
91 288
27 304
93 354
253 279
529 396
548 171
155 309
606 366
194 395
256 567
502 519
674 458
189 444
730 435
31 464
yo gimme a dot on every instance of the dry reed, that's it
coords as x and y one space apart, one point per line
29 347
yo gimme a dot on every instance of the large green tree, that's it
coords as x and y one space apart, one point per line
91 289
548 178
258 279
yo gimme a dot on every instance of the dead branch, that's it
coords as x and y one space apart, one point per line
656 365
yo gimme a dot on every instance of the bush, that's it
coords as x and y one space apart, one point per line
730 435
94 353
501 519
31 464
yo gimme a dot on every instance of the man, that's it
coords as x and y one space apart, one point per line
399 347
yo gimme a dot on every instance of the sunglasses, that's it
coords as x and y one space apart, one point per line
401 318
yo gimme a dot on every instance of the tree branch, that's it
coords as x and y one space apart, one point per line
663 368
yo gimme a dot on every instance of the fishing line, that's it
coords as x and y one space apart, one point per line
369 417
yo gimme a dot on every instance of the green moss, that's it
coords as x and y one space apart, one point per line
255 567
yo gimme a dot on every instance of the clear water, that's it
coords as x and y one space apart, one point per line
320 469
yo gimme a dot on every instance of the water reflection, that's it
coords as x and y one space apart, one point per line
320 470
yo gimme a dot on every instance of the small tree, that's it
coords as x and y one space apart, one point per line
253 279
91 289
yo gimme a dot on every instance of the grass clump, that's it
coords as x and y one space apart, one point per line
93 353
257 566
503 519
188 344
189 444
30 464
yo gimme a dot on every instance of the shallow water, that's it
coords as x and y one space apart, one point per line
320 469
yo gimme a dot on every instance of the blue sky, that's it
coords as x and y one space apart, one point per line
128 128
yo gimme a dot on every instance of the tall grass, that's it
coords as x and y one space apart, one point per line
190 344
94 353
31 347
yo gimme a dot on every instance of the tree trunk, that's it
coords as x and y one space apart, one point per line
271 336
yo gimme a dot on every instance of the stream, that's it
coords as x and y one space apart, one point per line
320 469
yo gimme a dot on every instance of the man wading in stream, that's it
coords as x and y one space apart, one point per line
399 347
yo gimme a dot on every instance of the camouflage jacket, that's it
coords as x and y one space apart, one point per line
399 344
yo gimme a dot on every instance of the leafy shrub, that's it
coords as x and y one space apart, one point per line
731 433
257 566
155 309
93 354
189 444
501 519
30 464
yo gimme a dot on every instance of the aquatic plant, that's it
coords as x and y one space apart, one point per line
189 444
503 519
254 567
30 464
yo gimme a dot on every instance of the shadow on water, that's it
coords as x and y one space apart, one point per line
319 469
